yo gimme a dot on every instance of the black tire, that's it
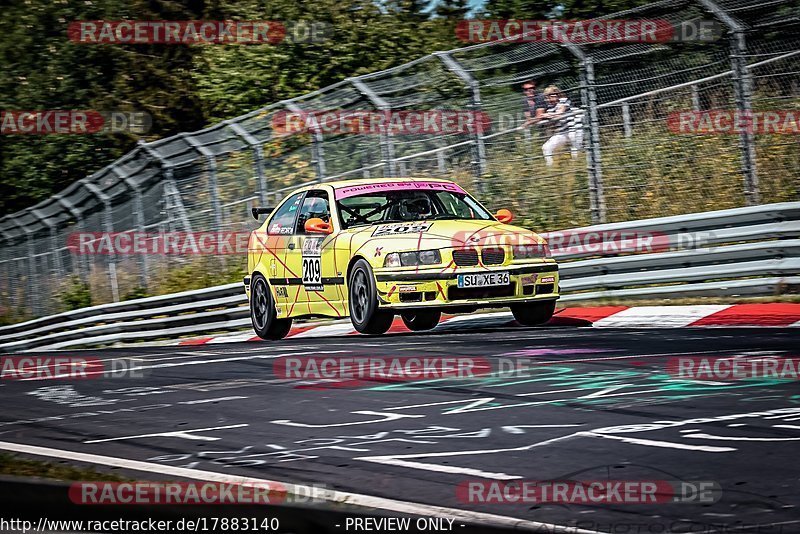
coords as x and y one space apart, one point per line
363 302
263 314
534 313
419 320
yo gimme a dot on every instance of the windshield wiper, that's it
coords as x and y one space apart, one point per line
445 216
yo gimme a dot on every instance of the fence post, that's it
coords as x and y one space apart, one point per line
108 228
742 84
626 119
744 105
31 264
478 146
138 215
317 150
80 263
597 200
213 190
387 144
695 97
258 157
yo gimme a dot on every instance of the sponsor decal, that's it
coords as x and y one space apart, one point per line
406 289
401 228
312 264
547 279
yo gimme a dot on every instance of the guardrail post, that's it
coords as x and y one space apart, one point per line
742 85
258 159
317 148
108 228
387 144
478 146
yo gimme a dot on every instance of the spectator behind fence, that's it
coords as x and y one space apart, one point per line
564 123
534 103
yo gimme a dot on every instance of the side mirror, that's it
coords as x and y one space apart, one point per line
259 211
315 225
504 216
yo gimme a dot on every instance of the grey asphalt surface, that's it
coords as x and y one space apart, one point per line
596 404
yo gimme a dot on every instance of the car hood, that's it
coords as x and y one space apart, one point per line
441 234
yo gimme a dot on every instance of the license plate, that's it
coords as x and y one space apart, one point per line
483 279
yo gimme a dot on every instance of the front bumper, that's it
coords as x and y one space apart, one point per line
432 288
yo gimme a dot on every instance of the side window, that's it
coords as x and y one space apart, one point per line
282 223
315 205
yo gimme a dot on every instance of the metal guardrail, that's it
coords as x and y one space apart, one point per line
748 251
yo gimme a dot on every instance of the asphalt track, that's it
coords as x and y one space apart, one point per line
595 404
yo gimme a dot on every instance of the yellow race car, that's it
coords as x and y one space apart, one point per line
370 249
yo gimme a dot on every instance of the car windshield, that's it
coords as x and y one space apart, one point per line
408 205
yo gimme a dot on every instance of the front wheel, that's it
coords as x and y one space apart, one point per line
533 313
421 319
263 314
363 301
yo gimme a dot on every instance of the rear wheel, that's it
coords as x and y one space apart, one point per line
533 313
421 319
263 314
363 302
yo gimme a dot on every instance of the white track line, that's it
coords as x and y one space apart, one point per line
355 499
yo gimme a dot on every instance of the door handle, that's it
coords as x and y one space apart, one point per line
291 246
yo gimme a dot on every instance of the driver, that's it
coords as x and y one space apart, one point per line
415 208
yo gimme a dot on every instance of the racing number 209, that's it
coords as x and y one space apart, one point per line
312 271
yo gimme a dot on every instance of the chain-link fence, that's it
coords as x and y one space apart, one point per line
622 161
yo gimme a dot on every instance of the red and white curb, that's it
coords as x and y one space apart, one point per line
706 315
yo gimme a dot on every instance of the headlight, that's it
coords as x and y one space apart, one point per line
535 250
406 259
392 260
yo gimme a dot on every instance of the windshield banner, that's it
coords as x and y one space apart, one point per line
380 187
